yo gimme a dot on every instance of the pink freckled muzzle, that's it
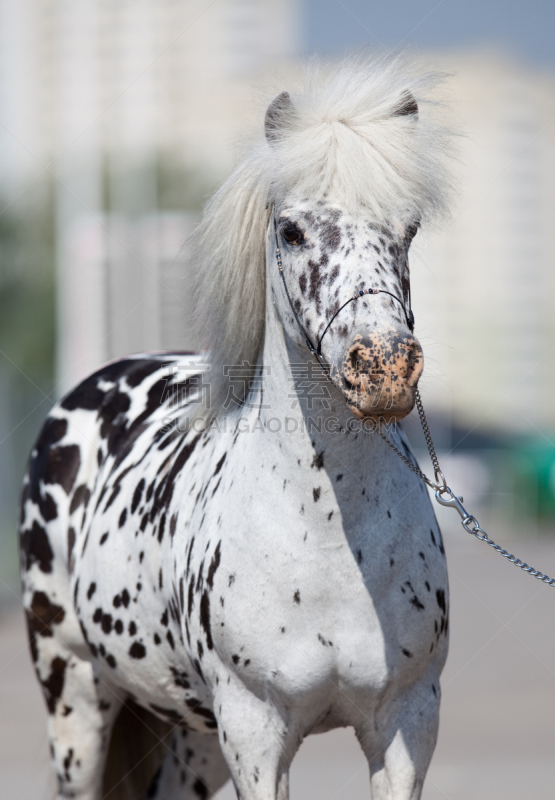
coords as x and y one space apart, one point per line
379 374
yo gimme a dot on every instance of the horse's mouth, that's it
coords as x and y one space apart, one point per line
375 399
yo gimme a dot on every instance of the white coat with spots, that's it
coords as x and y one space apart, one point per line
268 569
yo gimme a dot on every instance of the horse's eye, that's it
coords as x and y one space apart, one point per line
292 234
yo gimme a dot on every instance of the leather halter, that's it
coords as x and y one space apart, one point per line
317 351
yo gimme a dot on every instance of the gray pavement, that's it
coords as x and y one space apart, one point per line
497 734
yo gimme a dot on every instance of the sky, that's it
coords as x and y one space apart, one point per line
526 29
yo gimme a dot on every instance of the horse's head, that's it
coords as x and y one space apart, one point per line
346 170
341 281
329 257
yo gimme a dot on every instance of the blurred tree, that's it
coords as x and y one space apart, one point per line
27 341
179 187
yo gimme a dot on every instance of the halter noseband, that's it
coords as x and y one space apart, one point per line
317 351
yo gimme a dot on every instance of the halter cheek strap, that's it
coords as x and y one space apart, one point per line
317 351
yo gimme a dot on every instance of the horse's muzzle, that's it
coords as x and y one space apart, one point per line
379 374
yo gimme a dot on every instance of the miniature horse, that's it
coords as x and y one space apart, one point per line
219 541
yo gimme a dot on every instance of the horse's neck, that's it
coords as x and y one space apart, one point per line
307 410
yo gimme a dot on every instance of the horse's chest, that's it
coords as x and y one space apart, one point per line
314 619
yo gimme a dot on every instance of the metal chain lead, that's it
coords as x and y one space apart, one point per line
480 534
410 465
443 493
439 476
446 497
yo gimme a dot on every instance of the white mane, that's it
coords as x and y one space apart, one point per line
346 142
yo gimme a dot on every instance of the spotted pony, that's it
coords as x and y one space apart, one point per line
219 556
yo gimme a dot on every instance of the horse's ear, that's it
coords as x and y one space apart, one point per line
278 117
407 107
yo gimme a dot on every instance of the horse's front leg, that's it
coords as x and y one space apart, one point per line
400 743
257 742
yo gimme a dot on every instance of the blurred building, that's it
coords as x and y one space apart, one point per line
484 282
138 110
135 109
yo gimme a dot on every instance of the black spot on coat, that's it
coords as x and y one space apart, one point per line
54 684
43 614
47 507
214 564
440 597
81 496
137 495
62 466
36 549
137 650
205 618
318 461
